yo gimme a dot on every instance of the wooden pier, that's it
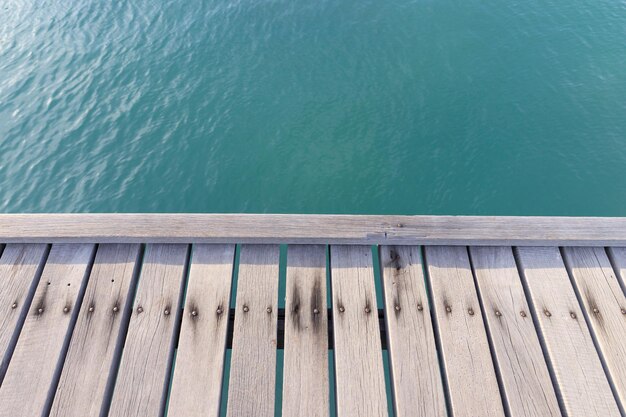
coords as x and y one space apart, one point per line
134 314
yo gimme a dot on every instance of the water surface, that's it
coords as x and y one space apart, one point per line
428 107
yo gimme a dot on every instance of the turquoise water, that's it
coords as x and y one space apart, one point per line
401 106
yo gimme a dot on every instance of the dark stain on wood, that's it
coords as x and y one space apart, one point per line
294 308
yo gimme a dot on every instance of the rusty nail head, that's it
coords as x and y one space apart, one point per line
498 313
269 310
91 309
219 310
194 313
115 309
623 310
595 310
572 315
547 313
342 309
40 310
139 309
316 311
166 312
522 313
367 310
14 305
397 307
448 309
246 309
470 311
66 309
419 307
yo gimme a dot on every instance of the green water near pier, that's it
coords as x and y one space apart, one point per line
404 106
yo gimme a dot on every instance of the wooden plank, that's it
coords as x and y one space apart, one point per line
313 229
417 386
305 386
145 366
20 269
91 359
38 357
473 387
605 308
360 380
581 382
618 260
197 381
524 373
253 361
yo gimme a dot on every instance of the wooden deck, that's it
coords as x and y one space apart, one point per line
207 315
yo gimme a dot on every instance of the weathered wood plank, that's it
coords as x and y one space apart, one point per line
312 229
618 260
605 308
581 382
20 268
32 375
360 381
472 383
417 386
305 386
90 357
197 381
523 369
253 362
145 365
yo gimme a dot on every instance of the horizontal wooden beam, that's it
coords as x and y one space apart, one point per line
324 229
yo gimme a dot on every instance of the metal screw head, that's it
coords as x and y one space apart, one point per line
246 309
139 309
572 315
116 309
547 313
448 309
367 310
40 310
342 309
166 312
470 311
522 313
595 310
397 308
66 309
195 313
419 307
623 310
399 225
219 310
91 309
498 313
269 310
316 311
14 305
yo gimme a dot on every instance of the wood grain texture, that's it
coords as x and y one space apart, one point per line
197 381
313 229
473 387
582 384
20 268
618 260
33 371
90 357
524 373
145 365
253 361
360 381
417 385
605 308
305 386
